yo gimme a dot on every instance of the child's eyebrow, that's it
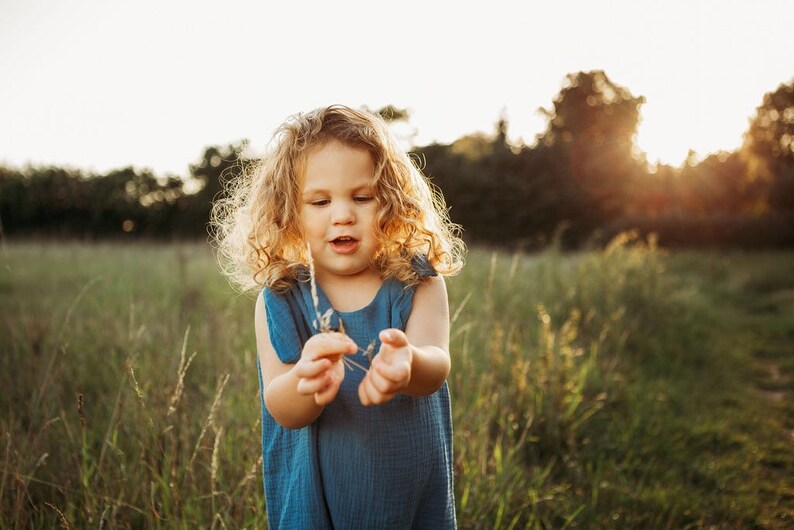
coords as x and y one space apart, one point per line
311 191
368 187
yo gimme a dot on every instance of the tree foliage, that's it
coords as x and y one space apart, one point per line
122 203
583 178
577 175
769 145
592 126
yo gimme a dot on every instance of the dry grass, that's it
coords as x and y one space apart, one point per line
571 384
322 323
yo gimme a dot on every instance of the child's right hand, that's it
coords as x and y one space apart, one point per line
320 367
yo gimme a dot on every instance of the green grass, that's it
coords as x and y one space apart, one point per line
628 388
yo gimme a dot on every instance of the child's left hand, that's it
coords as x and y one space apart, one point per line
390 371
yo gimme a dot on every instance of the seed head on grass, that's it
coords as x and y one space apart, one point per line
209 422
80 405
139 393
253 473
181 371
214 461
64 522
322 323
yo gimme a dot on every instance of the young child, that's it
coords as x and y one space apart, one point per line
353 339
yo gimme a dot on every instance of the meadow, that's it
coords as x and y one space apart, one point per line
626 387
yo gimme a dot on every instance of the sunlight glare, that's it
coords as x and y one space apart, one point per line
666 139
660 146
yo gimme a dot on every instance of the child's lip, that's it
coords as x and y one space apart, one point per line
347 246
346 237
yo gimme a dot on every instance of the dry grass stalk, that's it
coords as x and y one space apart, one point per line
133 336
322 323
64 522
214 460
108 439
102 517
491 273
5 470
513 267
181 371
40 462
350 363
131 323
217 519
209 422
46 378
370 350
460 309
139 393
80 405
253 473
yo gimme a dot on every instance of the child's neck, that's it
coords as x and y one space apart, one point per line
350 293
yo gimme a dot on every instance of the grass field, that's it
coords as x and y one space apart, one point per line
626 388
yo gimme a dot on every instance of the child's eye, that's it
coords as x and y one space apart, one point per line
363 198
320 202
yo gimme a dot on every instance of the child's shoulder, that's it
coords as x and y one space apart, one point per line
288 286
284 297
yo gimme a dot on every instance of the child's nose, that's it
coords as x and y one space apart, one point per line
343 214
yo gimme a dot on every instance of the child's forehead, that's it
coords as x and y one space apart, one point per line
337 182
336 164
332 146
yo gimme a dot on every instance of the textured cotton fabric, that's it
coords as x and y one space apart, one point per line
381 467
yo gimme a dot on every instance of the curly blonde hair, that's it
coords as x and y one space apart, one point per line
256 224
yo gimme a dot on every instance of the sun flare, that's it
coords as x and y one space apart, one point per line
661 147
666 138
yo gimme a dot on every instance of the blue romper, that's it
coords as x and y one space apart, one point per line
387 466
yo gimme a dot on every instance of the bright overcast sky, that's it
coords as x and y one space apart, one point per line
106 84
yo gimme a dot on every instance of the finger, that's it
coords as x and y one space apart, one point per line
369 395
393 337
366 394
330 345
396 373
312 368
362 395
380 383
310 385
327 394
336 343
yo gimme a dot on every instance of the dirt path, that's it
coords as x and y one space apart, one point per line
773 380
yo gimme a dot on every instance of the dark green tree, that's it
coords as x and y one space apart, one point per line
216 165
390 113
591 127
769 146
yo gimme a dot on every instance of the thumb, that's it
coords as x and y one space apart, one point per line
393 337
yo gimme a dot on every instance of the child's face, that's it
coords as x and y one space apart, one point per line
338 210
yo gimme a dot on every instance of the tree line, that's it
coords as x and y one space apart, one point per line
582 181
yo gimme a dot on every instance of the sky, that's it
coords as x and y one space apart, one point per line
105 84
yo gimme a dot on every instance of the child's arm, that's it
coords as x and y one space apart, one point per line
416 362
295 394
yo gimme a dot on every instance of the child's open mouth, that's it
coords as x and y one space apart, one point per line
344 245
